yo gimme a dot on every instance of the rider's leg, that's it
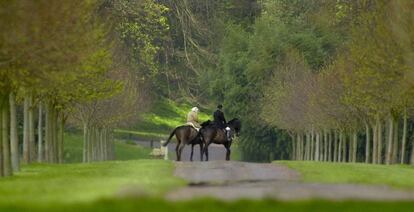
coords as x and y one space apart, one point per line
228 133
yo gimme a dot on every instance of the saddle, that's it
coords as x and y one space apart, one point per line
192 125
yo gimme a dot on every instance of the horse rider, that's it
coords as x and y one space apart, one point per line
192 118
220 121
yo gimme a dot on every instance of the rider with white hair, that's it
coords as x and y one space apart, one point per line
192 118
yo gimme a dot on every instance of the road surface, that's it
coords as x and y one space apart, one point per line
230 180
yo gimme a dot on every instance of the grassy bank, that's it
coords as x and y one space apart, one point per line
400 176
41 184
163 116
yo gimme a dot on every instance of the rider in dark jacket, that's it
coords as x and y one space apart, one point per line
220 121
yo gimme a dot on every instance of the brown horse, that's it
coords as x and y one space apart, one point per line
186 135
212 134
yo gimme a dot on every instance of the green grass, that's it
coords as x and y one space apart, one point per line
142 134
123 151
42 184
401 176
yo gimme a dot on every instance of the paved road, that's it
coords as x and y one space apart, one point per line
215 152
230 180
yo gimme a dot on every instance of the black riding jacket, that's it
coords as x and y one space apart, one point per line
219 119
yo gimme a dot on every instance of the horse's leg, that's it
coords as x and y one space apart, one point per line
228 151
201 151
176 149
192 150
180 150
206 150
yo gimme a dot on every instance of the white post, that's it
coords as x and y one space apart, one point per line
164 149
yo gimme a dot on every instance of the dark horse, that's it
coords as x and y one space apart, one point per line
186 135
212 134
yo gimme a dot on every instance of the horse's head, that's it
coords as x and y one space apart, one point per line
236 125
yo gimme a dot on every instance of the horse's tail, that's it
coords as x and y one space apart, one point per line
169 138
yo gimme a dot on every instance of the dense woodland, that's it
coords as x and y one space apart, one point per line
317 80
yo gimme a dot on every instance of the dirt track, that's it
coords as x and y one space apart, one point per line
229 180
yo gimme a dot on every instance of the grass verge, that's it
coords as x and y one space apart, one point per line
42 185
208 205
400 176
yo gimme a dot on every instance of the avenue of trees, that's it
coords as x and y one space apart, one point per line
356 105
64 62
310 80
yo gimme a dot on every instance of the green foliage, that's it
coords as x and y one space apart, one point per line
249 57
141 28
396 175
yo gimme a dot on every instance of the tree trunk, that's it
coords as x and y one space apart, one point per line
404 136
85 143
61 137
301 149
335 142
412 153
31 120
329 146
367 143
294 144
40 151
374 143
7 168
51 135
26 136
389 143
91 144
317 141
344 144
325 149
1 137
394 156
47 133
312 145
340 147
14 138
321 145
379 148
298 145
111 145
307 148
350 147
354 147
55 134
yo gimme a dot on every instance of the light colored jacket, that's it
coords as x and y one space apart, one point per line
192 119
